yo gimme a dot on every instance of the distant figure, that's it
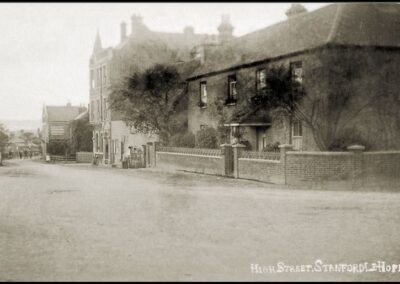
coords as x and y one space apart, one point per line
20 154
10 154
30 154
25 154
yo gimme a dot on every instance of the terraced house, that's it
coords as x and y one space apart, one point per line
135 52
358 44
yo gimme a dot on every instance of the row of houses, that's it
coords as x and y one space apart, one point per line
359 42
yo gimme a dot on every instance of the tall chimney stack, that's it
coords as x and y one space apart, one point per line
137 26
123 31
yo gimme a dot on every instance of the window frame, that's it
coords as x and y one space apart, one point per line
258 72
232 99
293 66
203 103
300 128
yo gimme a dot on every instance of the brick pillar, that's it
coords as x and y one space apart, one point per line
150 154
144 158
237 151
284 148
155 145
227 160
357 174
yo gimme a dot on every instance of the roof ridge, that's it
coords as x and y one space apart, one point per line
336 21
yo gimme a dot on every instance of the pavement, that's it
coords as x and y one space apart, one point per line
69 222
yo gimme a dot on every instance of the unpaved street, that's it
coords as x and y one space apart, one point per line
78 222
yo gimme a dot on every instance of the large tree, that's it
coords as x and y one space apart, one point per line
81 135
148 100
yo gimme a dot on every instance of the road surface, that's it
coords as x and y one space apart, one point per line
79 222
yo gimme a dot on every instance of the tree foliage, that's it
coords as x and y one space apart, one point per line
186 139
207 138
148 100
3 141
81 135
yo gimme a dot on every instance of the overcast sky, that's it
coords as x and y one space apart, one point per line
45 47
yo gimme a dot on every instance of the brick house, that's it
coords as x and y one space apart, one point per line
135 52
235 71
55 123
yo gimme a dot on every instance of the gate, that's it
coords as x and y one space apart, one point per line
137 159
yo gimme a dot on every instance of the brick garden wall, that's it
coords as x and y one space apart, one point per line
354 168
264 170
318 166
204 161
381 165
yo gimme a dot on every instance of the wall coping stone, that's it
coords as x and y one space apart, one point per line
319 153
382 152
260 160
190 155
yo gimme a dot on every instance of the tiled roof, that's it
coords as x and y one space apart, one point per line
364 24
181 43
61 113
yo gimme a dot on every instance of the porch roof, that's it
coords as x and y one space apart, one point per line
260 117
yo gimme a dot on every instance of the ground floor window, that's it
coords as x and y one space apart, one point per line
297 135
297 129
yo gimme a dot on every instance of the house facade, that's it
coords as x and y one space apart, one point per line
136 52
55 124
313 46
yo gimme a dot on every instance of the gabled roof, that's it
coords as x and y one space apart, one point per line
179 42
61 113
355 24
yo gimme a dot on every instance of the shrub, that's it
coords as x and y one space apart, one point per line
186 139
207 138
247 144
274 147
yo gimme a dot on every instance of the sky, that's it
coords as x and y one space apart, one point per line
45 47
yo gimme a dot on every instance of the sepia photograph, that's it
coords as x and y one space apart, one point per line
202 141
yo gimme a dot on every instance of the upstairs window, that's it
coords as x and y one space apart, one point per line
105 108
104 75
92 79
92 110
232 91
98 78
203 94
296 69
98 109
261 80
